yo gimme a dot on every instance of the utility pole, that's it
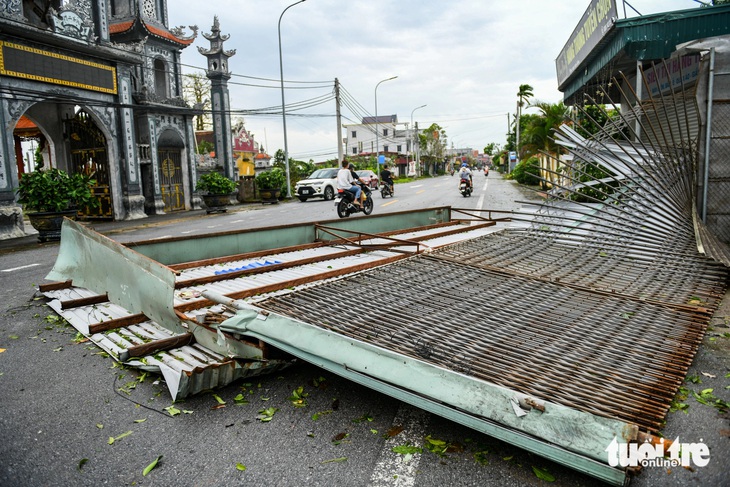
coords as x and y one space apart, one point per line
418 154
517 137
339 123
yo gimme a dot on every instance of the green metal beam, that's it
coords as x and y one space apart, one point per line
191 248
572 437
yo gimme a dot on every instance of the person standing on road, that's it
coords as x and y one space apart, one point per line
347 182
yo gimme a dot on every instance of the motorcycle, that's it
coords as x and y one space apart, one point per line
464 188
345 206
386 190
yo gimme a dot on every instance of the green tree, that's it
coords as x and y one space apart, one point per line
433 145
196 92
491 148
524 94
539 131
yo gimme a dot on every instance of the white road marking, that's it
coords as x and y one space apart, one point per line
19 268
480 203
394 469
415 186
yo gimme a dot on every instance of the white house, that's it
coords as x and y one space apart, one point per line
392 139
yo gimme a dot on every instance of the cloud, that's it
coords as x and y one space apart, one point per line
465 59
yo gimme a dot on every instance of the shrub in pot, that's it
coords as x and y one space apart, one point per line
269 184
216 190
49 195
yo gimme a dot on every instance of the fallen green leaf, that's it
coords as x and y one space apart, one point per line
241 467
82 462
172 410
113 439
151 466
266 415
481 457
543 474
240 399
364 417
100 426
218 399
407 449
140 420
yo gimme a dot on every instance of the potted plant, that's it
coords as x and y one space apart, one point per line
52 194
216 191
269 184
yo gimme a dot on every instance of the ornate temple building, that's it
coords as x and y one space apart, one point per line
97 85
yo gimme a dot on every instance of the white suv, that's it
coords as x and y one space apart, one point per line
321 183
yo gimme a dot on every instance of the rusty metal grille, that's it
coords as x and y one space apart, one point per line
610 356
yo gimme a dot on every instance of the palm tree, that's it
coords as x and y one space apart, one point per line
524 93
539 133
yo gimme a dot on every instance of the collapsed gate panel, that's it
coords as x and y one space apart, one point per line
604 355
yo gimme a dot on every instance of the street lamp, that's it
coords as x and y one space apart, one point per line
283 109
377 146
412 132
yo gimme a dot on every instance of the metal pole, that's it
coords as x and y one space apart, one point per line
340 154
283 108
377 146
412 132
708 134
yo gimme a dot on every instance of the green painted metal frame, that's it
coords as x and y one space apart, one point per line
573 438
185 249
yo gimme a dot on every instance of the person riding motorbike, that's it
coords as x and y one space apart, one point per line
346 181
465 175
387 177
358 182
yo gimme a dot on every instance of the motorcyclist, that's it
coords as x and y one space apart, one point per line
465 175
387 177
358 182
347 182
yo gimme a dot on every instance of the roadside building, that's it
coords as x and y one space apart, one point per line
668 74
393 139
97 85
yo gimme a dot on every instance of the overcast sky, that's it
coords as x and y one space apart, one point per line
464 59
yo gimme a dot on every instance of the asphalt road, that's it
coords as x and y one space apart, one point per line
71 416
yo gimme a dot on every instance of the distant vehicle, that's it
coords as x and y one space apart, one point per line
369 177
322 183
